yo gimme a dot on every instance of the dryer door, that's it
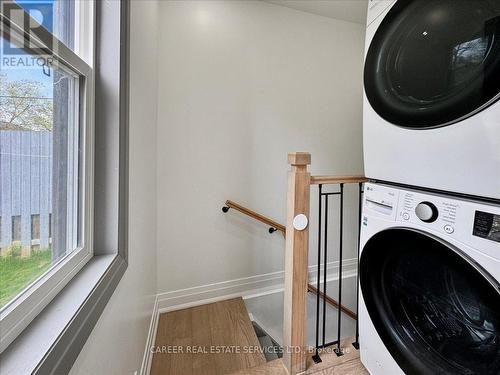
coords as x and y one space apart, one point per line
434 63
435 310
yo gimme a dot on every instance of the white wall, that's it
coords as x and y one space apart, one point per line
240 85
235 86
116 345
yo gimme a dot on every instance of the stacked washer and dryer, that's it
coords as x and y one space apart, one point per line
430 233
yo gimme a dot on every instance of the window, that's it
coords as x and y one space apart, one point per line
35 227
35 232
46 143
16 228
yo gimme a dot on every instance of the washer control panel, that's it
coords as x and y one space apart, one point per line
487 225
438 212
474 223
381 202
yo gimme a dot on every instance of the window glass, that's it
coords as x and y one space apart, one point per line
16 228
57 16
35 227
39 166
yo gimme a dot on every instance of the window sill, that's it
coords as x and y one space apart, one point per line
51 343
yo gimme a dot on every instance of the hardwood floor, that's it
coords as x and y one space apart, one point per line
347 364
275 367
205 339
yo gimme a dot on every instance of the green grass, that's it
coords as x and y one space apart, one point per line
16 273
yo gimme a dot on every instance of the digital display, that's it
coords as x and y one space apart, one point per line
487 225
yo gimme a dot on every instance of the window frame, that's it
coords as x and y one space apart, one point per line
53 341
28 304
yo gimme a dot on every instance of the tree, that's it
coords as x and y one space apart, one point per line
22 106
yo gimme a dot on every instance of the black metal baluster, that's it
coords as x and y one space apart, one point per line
316 358
360 192
338 351
325 261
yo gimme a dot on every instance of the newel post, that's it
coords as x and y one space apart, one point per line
296 276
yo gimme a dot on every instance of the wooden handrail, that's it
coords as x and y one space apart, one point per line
256 216
331 301
316 180
282 228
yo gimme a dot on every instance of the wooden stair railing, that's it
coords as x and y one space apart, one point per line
332 180
273 227
296 256
296 270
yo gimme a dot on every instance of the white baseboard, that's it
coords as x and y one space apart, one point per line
153 327
247 287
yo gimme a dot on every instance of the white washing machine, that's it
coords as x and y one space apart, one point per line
429 278
431 114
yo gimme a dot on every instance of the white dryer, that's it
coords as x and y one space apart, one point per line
429 281
431 114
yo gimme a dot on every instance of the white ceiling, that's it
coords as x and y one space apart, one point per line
346 10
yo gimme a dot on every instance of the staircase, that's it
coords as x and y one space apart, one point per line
270 347
205 340
275 367
207 329
219 338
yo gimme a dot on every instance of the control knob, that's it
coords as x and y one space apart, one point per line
427 212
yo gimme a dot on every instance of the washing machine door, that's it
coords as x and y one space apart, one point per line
434 63
435 310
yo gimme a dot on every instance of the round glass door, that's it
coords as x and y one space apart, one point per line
434 63
435 310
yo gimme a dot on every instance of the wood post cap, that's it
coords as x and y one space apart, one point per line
299 158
